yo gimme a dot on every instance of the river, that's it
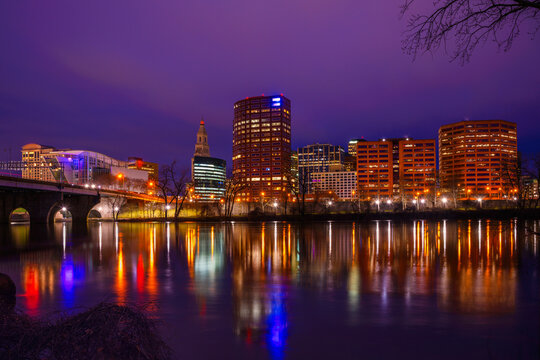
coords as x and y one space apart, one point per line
244 290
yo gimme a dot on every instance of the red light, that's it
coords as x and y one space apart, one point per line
281 94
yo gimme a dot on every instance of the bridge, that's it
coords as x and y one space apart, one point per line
43 200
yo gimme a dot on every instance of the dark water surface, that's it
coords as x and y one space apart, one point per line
330 290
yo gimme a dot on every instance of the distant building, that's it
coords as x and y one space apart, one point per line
396 167
478 158
351 147
341 183
349 162
201 146
262 146
530 188
318 158
139 164
294 170
35 166
374 169
208 174
80 167
417 167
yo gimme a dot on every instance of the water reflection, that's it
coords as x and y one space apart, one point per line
463 267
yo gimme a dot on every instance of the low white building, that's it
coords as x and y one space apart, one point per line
342 183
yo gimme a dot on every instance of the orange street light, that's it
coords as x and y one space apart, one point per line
262 193
151 183
120 176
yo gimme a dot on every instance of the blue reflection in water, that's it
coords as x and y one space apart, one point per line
277 326
69 274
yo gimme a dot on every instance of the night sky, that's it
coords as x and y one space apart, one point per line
133 78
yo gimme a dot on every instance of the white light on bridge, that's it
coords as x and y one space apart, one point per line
64 209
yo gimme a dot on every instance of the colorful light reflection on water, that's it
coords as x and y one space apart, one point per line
290 289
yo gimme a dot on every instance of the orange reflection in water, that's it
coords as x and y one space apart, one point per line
120 285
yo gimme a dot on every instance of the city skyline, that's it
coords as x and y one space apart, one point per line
57 89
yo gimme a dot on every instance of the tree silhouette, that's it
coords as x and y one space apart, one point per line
467 24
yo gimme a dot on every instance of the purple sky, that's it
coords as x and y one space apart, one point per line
132 78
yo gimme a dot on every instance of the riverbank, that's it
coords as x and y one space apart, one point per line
106 331
366 216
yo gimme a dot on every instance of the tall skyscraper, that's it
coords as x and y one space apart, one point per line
262 146
208 174
476 158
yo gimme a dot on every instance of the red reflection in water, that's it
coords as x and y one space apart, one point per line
140 274
31 286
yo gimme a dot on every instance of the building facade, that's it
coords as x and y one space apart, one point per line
341 183
208 174
478 159
417 167
201 145
151 168
34 165
374 169
294 172
262 146
318 158
80 167
351 146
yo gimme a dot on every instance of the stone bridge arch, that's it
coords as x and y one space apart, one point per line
43 205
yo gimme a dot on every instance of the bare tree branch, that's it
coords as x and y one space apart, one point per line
469 23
